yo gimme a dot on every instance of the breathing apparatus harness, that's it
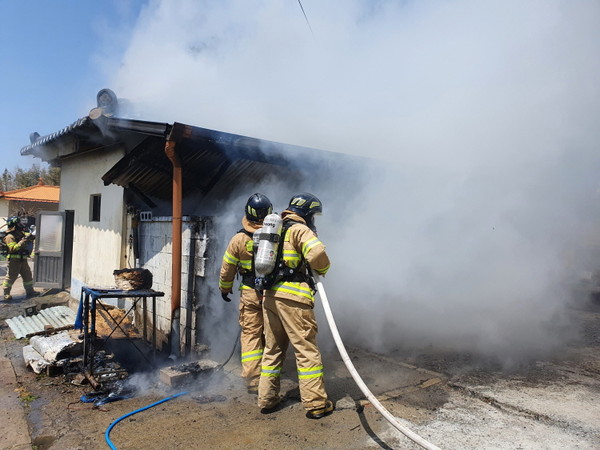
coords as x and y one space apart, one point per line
18 234
248 275
268 266
281 272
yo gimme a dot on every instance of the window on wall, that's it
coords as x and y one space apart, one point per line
95 200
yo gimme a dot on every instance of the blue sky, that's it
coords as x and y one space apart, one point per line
51 55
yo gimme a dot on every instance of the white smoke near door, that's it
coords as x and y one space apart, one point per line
486 111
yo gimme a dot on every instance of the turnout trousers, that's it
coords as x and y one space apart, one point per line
289 321
16 267
252 340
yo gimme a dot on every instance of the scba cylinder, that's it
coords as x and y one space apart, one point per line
268 244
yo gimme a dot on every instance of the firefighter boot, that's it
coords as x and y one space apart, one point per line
7 295
273 407
321 412
31 293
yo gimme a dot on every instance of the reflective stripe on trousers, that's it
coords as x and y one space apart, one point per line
251 338
252 356
312 372
288 321
270 371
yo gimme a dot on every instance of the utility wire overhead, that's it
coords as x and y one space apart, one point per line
302 8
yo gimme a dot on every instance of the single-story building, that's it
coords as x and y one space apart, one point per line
167 197
27 202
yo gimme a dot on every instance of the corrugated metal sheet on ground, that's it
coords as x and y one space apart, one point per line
57 317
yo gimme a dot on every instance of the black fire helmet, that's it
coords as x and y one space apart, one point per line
258 207
305 205
14 222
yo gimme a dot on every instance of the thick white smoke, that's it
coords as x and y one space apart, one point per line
487 111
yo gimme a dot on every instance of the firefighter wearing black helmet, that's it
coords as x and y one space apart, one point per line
19 246
289 316
238 258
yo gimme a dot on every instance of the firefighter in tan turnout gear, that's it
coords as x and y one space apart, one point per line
288 311
238 258
19 246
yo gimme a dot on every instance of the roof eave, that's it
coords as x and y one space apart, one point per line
103 124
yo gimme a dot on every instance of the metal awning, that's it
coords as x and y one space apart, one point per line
207 157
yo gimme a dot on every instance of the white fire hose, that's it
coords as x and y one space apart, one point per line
361 384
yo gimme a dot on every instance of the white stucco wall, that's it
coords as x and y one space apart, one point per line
97 246
3 211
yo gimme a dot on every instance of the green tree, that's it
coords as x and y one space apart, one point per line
7 180
51 176
21 178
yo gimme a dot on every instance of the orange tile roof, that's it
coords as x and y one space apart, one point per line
38 193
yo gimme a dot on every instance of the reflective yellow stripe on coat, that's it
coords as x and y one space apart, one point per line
294 287
228 285
230 259
292 259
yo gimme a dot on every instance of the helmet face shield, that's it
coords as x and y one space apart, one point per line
310 222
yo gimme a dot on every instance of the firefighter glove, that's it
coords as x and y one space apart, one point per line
225 296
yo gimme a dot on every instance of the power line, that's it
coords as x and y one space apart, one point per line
302 8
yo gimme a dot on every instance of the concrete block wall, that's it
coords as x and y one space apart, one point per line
155 242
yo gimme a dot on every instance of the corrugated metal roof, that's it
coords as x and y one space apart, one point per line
208 157
58 317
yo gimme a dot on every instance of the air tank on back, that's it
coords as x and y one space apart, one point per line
268 243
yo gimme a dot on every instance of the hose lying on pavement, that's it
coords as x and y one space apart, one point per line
235 343
107 433
357 378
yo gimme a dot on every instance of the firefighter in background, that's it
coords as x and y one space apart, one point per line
238 258
289 315
20 246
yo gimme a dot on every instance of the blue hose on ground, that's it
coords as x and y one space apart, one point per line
107 433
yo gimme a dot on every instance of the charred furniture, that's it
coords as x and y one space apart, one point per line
91 303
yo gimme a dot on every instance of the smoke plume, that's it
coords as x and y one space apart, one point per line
485 115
